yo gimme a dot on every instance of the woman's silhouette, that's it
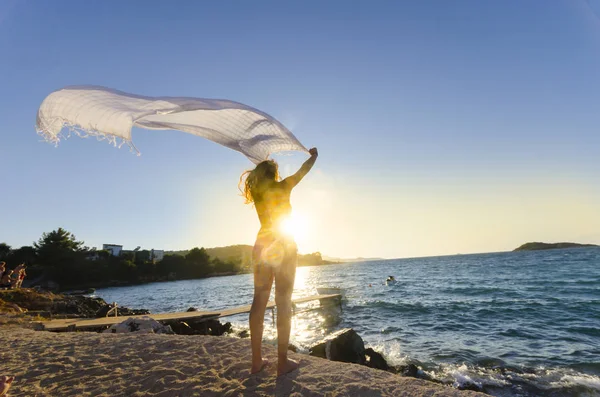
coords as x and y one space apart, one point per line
274 255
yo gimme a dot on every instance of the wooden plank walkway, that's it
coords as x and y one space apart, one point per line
82 323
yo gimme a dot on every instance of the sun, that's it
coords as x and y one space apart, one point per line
295 225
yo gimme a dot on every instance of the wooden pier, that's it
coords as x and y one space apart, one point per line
72 324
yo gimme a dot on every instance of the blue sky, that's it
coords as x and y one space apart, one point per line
443 127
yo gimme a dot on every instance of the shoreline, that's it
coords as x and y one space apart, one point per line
92 364
119 283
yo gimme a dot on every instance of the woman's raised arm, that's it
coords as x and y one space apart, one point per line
292 180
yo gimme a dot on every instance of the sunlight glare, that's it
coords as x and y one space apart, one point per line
296 226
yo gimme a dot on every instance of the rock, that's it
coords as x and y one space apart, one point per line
80 292
123 311
293 348
192 309
344 345
470 386
104 310
64 305
376 360
217 329
11 307
16 308
142 325
210 327
181 328
243 333
411 370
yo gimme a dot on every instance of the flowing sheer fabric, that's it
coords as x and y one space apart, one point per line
110 114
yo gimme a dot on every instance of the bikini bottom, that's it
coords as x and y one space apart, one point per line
274 249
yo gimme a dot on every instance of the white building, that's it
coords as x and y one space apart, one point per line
114 249
157 255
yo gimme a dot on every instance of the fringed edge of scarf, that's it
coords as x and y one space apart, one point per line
82 132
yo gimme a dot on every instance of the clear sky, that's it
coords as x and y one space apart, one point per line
443 127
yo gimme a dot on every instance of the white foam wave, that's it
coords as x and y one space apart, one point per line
577 379
391 351
463 375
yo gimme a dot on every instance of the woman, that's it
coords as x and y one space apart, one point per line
274 255
16 275
22 276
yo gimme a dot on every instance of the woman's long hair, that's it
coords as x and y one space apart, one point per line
254 182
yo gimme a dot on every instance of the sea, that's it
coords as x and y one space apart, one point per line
510 324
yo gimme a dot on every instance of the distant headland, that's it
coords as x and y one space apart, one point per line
548 246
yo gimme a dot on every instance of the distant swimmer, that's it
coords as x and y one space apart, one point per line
390 280
274 255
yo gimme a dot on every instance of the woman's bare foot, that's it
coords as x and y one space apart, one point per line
287 366
259 367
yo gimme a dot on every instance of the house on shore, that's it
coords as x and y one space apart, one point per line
114 249
153 255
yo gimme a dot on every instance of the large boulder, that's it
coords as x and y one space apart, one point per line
142 325
344 345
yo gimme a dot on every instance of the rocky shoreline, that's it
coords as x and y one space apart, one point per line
49 305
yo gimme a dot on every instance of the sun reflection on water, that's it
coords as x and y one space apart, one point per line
310 322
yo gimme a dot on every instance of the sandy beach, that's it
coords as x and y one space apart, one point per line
92 364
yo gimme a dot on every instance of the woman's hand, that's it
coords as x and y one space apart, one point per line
313 152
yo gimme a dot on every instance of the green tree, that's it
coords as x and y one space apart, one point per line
141 257
198 263
198 256
63 255
26 254
171 264
4 251
222 266
313 259
55 245
127 270
130 256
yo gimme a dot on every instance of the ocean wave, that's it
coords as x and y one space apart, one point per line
511 381
391 351
588 381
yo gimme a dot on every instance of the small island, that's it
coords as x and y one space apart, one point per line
546 246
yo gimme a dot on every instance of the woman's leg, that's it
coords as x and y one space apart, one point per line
284 286
263 280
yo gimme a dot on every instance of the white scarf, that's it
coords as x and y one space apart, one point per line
110 114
